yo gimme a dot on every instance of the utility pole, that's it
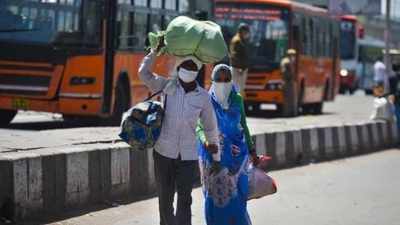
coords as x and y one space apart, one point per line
387 37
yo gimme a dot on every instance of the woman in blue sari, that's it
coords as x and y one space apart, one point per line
225 186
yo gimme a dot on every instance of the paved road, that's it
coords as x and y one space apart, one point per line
362 190
31 130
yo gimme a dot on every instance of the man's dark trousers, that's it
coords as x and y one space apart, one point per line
171 175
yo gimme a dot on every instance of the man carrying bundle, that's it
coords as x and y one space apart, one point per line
193 43
175 153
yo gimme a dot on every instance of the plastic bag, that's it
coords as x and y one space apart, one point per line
260 183
185 36
383 109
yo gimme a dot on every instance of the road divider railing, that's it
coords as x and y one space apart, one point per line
48 181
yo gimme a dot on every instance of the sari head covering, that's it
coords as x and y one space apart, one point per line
221 91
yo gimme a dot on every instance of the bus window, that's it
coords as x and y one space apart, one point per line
183 6
170 4
68 21
123 29
91 22
131 25
269 31
304 35
61 21
321 38
318 33
328 39
140 31
140 2
309 37
347 39
156 4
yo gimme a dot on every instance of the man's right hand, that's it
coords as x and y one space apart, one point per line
161 44
211 148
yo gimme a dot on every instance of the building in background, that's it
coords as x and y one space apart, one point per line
374 25
394 9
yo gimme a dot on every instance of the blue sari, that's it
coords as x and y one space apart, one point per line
226 192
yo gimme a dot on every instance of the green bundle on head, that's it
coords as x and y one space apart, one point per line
185 36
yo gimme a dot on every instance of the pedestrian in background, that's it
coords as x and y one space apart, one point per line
290 104
395 99
175 153
381 78
226 191
239 56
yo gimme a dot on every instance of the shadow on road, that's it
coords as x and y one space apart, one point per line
60 124
50 125
273 114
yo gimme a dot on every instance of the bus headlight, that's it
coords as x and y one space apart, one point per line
274 85
344 72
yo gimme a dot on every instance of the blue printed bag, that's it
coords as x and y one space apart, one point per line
141 124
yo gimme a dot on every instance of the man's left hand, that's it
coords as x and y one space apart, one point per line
211 148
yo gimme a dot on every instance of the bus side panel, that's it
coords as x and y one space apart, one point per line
312 78
82 98
256 87
334 79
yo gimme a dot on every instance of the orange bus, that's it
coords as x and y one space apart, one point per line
77 57
277 26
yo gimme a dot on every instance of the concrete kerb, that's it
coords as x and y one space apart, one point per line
52 180
353 141
394 134
310 144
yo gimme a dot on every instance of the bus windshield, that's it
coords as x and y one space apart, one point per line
48 21
347 40
369 54
268 27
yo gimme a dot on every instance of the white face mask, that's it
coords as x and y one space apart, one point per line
187 76
222 90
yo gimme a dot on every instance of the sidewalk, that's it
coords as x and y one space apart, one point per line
328 193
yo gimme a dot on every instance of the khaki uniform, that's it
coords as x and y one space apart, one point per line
290 99
239 59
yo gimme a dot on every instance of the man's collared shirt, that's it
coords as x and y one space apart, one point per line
182 112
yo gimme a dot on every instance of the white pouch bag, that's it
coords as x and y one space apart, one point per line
260 183
383 109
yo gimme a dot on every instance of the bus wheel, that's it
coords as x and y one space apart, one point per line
80 121
6 116
122 102
306 109
368 92
342 90
289 110
252 108
317 108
